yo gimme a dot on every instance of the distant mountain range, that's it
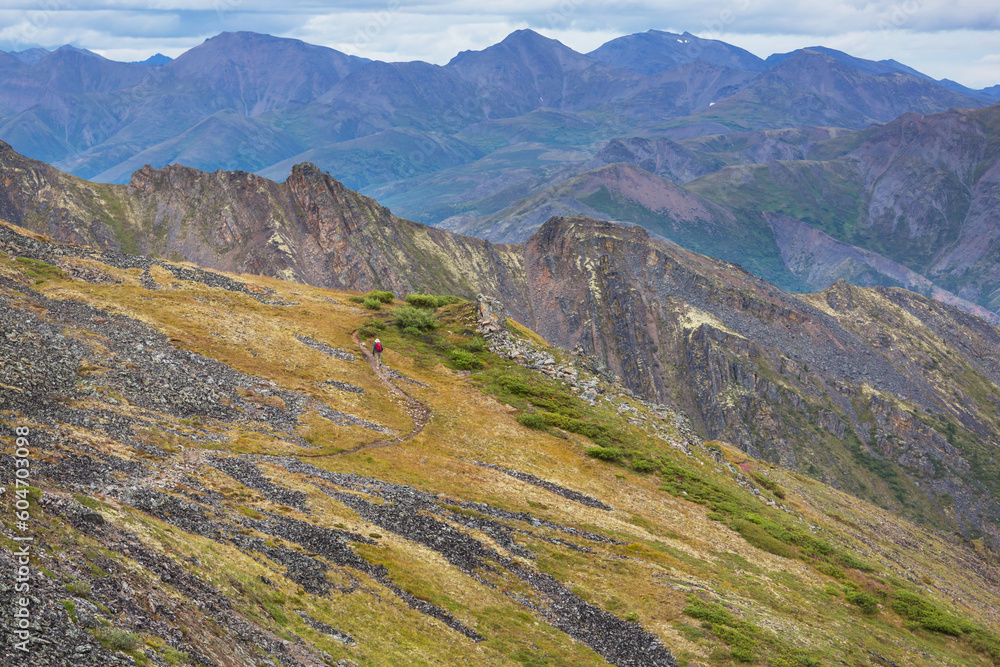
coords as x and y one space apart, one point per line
780 164
273 100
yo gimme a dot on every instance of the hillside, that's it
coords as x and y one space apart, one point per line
219 477
882 392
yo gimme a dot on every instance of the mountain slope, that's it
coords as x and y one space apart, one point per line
309 228
813 88
218 476
240 70
527 71
920 190
917 194
900 390
655 51
870 381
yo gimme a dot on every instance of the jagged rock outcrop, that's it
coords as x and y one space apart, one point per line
805 381
310 228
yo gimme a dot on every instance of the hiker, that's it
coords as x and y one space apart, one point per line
377 351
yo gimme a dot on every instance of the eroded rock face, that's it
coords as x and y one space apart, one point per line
310 228
866 374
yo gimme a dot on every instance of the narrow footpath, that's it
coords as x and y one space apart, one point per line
417 410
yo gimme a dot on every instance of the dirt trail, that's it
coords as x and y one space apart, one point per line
417 410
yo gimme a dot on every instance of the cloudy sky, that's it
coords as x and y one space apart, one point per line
955 39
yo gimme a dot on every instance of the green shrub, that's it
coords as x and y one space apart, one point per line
769 484
70 608
276 611
680 481
745 639
465 361
79 588
173 656
477 344
714 614
372 303
421 300
408 316
759 537
643 465
605 453
928 615
865 600
986 642
602 441
431 300
853 562
412 331
514 385
741 646
354 298
532 421
383 297
117 639
39 270
830 570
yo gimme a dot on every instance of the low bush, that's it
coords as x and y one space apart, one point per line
70 608
79 588
39 270
644 465
532 420
605 453
680 481
431 300
865 600
173 656
407 316
745 639
372 303
464 361
382 296
759 537
355 298
853 562
477 344
928 615
769 484
117 639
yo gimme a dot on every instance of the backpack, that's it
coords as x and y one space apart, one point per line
378 347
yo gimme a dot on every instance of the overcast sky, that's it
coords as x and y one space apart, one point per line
955 39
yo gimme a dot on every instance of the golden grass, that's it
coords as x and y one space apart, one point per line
672 548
